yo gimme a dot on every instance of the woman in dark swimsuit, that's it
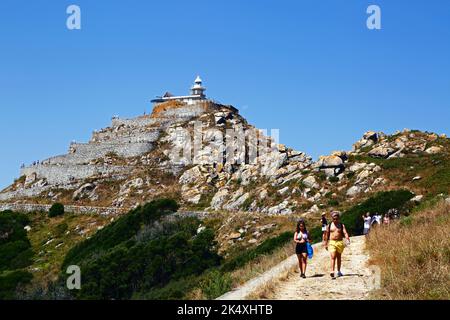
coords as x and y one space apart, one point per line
301 237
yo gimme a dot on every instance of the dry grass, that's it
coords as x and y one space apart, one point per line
261 265
266 291
414 255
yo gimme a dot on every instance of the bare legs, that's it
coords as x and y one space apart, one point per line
339 260
302 262
336 257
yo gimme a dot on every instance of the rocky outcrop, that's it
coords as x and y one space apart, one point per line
183 151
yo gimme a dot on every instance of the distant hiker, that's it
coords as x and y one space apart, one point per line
366 219
324 223
336 232
301 237
374 221
378 219
386 220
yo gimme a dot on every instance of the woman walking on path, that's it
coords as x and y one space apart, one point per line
301 237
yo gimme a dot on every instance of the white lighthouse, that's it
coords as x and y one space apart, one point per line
197 89
197 93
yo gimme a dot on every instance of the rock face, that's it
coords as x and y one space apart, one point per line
434 150
194 153
332 165
382 152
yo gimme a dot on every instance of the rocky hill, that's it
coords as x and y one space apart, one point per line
230 177
136 160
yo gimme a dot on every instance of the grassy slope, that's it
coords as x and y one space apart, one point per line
414 255
65 231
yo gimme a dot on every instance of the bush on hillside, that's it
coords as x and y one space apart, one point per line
379 203
15 253
120 230
10 281
141 253
267 247
57 209
15 248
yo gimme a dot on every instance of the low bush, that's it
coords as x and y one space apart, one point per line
10 281
333 179
143 254
267 247
215 283
15 253
316 234
57 209
379 203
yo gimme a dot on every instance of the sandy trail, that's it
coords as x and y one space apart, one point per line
357 282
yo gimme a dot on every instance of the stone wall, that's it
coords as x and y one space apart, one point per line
184 113
21 193
22 207
125 136
135 122
65 174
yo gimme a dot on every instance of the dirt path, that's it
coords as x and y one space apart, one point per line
356 283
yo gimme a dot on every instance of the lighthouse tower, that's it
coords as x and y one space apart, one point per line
197 89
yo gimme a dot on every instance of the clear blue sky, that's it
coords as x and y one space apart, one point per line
309 68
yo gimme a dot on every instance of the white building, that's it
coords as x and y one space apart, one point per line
197 93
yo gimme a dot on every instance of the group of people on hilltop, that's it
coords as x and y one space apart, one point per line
335 238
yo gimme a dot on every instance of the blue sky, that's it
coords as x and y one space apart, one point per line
309 68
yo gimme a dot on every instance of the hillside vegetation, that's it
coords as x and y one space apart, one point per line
414 255
245 227
15 253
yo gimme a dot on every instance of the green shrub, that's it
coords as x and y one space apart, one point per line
15 255
350 175
121 230
215 283
57 209
267 247
15 248
379 203
333 179
60 229
333 203
143 255
12 226
10 281
174 290
406 221
329 194
322 176
316 234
